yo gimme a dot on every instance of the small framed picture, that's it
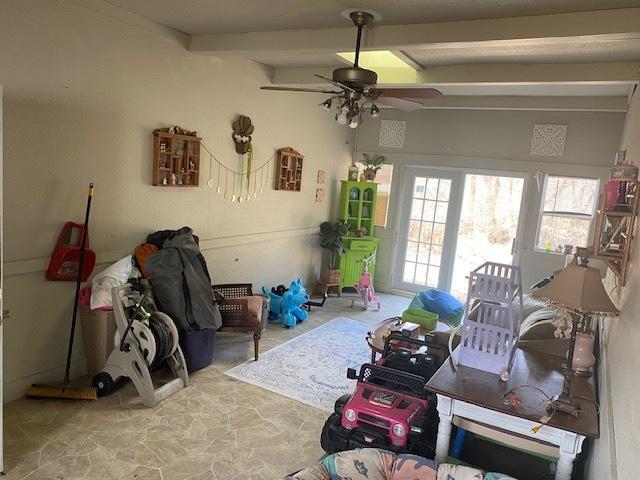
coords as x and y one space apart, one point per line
319 195
321 176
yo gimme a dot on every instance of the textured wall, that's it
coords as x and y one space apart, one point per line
83 91
622 341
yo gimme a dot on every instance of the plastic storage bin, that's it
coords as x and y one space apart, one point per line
197 348
427 320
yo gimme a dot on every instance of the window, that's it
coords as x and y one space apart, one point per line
568 205
383 179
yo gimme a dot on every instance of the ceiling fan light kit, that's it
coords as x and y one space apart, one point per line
357 85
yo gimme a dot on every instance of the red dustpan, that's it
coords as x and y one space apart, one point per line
65 261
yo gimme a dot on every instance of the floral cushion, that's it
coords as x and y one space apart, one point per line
374 464
370 464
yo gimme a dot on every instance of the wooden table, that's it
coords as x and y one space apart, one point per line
376 337
478 396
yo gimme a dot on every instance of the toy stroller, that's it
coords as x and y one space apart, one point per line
364 287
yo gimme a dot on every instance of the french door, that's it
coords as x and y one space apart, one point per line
428 228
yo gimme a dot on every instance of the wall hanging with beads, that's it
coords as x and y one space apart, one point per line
239 186
289 170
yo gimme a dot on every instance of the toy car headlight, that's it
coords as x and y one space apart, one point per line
350 415
399 430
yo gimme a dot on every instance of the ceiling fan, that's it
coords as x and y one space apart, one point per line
356 87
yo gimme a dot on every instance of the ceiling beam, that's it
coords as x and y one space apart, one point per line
473 74
607 25
537 103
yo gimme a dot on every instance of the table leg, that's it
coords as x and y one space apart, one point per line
570 447
444 428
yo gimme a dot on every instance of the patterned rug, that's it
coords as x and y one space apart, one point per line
311 368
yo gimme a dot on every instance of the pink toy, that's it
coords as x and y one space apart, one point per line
364 287
390 407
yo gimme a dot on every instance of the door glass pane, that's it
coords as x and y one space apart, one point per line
423 253
412 251
409 271
438 234
444 189
432 276
421 274
436 255
432 188
416 209
441 212
425 233
414 230
429 211
419 187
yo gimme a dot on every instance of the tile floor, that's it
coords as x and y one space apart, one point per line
217 429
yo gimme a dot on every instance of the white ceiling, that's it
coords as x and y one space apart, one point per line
232 16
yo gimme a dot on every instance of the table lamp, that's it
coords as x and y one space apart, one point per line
577 290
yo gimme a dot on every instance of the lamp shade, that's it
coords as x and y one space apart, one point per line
578 289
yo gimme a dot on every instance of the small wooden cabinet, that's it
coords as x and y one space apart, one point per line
176 160
289 170
358 210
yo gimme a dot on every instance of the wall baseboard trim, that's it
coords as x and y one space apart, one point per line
35 265
14 389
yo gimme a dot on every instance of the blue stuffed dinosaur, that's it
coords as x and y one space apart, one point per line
287 307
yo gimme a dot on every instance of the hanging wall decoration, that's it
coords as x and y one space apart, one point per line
239 186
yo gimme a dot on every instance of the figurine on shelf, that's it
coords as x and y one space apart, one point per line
164 181
181 177
163 146
163 163
192 165
173 178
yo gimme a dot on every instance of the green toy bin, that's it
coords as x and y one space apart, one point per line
427 320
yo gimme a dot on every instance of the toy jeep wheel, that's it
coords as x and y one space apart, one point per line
325 437
340 403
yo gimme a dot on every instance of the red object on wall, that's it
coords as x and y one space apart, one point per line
65 261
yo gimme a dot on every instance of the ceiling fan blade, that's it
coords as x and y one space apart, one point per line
337 84
401 103
409 92
294 89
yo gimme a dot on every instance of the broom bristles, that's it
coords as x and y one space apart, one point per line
59 391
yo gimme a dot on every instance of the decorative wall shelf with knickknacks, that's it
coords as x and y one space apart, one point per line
289 170
176 160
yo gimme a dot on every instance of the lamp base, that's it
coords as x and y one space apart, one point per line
564 403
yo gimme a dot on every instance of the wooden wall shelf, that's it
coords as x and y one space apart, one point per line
177 155
289 170
614 232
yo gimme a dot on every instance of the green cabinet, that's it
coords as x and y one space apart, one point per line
358 210
358 205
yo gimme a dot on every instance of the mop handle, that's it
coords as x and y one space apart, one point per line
83 247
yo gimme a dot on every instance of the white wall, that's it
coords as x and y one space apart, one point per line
85 85
622 350
495 140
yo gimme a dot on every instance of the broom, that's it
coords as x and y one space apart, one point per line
64 390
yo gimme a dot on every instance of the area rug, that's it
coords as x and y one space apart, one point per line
311 368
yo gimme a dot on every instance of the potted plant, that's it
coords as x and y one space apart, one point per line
331 239
371 163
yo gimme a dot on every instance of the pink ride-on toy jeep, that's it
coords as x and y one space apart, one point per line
390 408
